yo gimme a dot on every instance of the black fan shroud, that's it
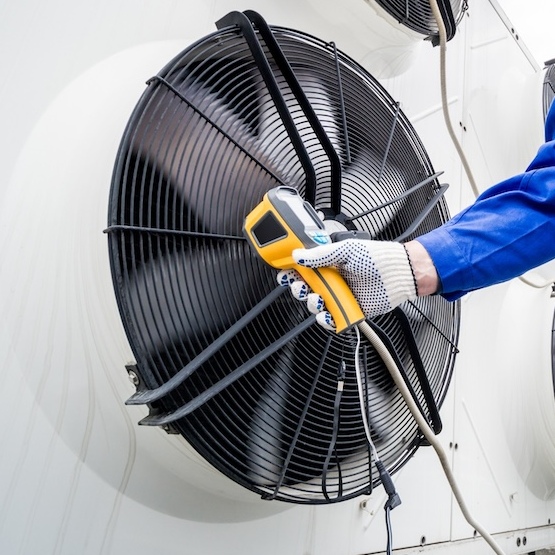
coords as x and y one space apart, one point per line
201 148
417 14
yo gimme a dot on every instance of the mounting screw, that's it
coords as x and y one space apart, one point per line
364 506
133 378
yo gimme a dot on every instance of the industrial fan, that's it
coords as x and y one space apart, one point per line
224 356
417 15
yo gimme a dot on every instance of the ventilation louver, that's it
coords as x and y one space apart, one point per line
417 15
224 356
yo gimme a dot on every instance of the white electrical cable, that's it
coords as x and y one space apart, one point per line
384 475
530 283
381 349
376 341
444 103
447 117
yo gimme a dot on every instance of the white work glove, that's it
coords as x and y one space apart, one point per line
378 273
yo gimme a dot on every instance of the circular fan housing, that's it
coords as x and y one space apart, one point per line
224 356
417 14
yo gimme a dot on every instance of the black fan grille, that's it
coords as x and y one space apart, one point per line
417 14
201 148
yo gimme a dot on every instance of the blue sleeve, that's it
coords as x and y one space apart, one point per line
509 230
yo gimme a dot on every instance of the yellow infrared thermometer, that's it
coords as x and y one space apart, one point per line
282 222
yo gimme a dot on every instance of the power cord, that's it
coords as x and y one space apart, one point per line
444 103
393 499
447 117
429 434
336 417
389 545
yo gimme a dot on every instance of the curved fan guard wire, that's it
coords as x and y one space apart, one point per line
417 14
203 145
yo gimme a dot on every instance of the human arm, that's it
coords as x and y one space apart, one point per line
507 231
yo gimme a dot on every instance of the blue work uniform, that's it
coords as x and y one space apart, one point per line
509 230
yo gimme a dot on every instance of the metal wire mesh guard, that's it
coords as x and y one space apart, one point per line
223 356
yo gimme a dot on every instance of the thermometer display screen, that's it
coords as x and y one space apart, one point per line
268 230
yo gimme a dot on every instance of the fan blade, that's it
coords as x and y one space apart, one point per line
190 154
266 444
183 127
364 189
271 430
183 295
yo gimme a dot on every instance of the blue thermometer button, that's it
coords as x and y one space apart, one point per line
320 238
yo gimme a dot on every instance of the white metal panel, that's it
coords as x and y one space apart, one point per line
78 475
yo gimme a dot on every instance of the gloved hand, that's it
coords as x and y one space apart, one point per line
379 274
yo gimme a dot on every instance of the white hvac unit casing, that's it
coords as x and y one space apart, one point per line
79 475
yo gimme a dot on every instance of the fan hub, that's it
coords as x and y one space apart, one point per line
336 222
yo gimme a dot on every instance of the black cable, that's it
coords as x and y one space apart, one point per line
388 529
393 499
335 432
